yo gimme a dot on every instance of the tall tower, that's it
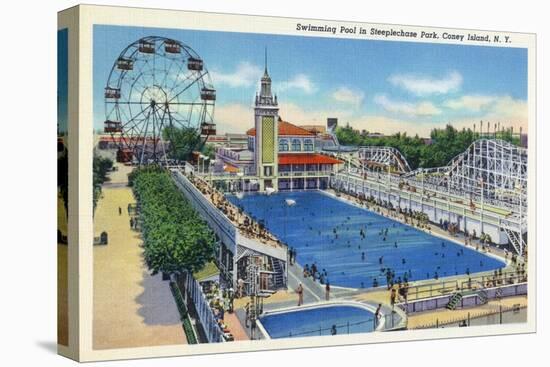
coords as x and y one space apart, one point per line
266 115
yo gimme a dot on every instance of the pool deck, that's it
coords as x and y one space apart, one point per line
444 316
314 292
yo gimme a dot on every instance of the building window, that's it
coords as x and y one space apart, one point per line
296 145
308 145
268 171
250 143
283 145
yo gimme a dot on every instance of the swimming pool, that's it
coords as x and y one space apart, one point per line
356 246
318 320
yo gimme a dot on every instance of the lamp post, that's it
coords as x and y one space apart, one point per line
252 182
421 190
448 174
288 202
201 158
241 175
482 207
210 169
204 159
389 188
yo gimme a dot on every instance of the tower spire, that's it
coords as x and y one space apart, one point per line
265 91
265 60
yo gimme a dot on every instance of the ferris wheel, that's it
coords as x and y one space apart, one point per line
159 102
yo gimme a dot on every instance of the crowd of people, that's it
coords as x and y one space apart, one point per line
385 208
420 220
399 292
244 222
315 274
398 286
220 301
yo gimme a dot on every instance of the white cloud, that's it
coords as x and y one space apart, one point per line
299 81
508 111
425 85
348 96
233 118
298 115
247 74
423 109
470 102
244 75
238 118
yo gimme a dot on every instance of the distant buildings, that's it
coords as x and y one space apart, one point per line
231 140
278 154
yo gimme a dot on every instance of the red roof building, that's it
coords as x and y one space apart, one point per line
286 129
284 156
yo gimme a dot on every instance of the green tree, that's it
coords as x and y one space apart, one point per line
444 144
101 167
176 238
183 141
209 150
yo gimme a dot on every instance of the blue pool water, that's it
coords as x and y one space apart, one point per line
318 321
326 231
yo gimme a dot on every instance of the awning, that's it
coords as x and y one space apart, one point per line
230 168
296 158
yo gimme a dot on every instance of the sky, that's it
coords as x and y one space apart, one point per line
379 86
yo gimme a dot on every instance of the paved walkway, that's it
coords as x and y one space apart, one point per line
234 324
131 308
443 316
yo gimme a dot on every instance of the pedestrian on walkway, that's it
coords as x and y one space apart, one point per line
252 329
240 287
393 297
231 300
221 311
246 314
300 291
327 291
377 315
119 210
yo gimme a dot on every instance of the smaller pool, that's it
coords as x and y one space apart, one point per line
318 320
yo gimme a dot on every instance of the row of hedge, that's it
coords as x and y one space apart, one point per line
176 238
184 314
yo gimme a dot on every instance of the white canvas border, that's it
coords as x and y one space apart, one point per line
83 280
